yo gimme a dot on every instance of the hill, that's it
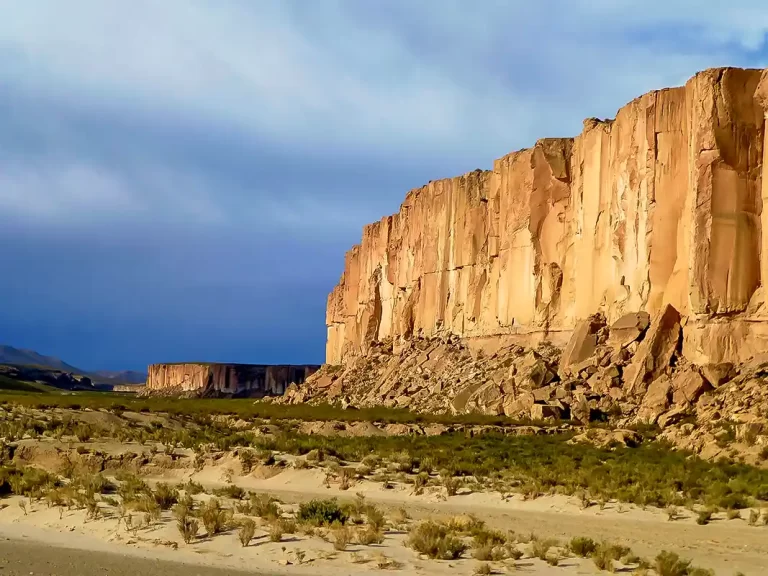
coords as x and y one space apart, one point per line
20 357
11 355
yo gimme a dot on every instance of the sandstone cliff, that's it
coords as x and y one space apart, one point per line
662 205
252 380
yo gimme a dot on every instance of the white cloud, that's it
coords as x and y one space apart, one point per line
327 73
49 191
79 193
443 78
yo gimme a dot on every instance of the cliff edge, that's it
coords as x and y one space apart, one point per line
661 206
241 380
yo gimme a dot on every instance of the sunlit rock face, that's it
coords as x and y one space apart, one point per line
250 380
660 206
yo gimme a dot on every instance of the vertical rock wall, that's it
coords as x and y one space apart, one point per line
662 205
225 379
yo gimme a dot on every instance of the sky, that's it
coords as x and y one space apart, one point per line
180 179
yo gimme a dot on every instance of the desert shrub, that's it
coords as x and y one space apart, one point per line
181 510
287 525
91 508
193 488
483 569
263 506
540 548
703 517
230 491
188 527
276 531
83 432
165 496
606 554
404 462
375 517
484 537
247 530
55 497
426 466
670 564
451 485
150 507
435 541
341 537
582 546
754 516
464 524
672 513
213 517
30 482
370 535
132 487
420 482
109 501
322 512
247 460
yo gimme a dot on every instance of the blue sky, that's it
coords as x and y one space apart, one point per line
180 179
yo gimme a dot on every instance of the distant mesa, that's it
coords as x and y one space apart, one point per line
221 380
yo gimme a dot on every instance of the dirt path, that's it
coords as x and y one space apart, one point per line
20 558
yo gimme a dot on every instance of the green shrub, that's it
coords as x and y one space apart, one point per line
187 527
263 506
246 532
193 488
165 496
484 537
582 546
540 548
435 541
230 491
370 535
213 517
606 554
321 512
670 564
703 517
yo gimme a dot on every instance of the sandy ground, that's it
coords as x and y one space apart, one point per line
22 558
728 546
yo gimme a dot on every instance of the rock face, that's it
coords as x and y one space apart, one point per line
661 206
252 380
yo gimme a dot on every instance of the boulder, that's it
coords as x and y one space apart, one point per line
582 343
656 400
323 381
718 374
655 352
629 328
687 386
545 412
672 417
486 398
544 393
521 405
531 371
604 379
581 411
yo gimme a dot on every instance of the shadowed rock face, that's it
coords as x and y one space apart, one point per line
660 206
253 380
